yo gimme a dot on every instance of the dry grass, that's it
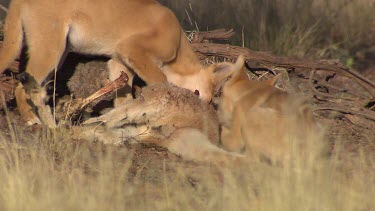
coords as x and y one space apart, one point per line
50 171
330 29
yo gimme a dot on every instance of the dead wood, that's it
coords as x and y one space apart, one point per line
326 94
354 111
269 60
219 34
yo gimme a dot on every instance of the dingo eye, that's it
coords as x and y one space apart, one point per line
196 92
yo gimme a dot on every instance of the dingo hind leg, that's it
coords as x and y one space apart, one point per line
42 60
134 53
146 53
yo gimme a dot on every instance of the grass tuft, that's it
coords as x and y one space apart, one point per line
51 170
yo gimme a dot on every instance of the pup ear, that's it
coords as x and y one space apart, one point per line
238 69
223 70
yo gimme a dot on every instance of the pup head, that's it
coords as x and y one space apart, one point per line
208 79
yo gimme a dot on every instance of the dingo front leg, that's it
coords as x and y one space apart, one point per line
26 110
42 60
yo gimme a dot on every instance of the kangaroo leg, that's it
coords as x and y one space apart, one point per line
192 144
42 60
128 112
115 69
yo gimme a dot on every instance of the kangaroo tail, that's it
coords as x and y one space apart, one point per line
13 36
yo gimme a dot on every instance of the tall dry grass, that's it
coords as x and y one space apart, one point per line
50 171
314 28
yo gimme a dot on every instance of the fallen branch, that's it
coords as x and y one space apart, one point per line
266 59
338 89
312 72
362 112
219 34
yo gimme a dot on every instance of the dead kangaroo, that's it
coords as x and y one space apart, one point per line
140 36
261 119
165 115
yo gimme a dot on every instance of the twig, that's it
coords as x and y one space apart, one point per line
362 112
263 69
358 75
219 34
232 52
327 85
3 8
312 72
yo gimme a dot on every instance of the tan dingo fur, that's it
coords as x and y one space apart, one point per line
261 119
165 115
140 36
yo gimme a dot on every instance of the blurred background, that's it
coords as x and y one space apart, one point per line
340 29
4 3
331 29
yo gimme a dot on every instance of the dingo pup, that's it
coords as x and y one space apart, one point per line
165 115
140 36
260 118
